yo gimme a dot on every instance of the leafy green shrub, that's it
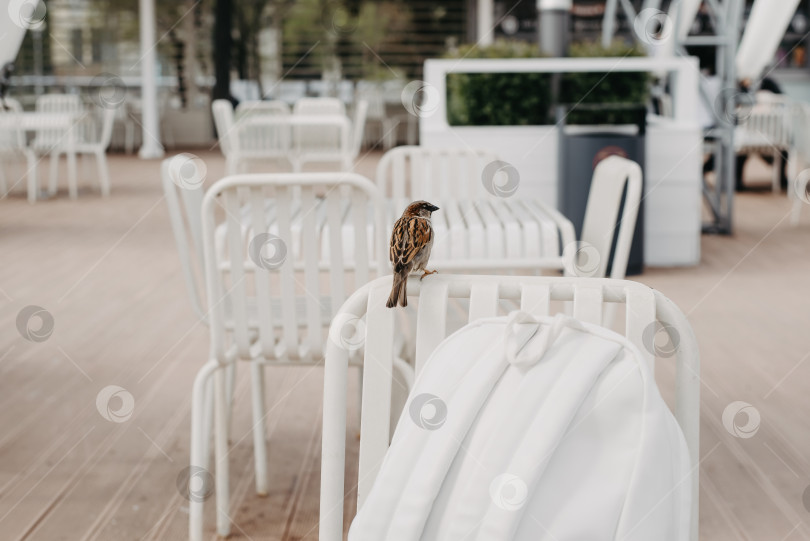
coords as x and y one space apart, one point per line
498 99
517 99
603 98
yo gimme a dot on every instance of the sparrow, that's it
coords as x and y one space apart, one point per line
411 241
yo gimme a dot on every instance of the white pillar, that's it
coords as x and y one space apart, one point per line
151 147
486 25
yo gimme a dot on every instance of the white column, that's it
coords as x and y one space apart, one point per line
151 147
486 29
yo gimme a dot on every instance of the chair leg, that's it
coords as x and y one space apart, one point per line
103 173
776 177
54 178
200 434
259 435
33 184
3 183
221 455
230 385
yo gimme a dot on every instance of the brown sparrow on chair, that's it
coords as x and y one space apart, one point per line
411 242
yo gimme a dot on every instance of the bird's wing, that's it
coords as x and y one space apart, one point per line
409 236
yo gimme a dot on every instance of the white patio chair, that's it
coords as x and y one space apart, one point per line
184 202
258 309
648 313
289 91
610 178
53 141
501 233
799 161
378 116
766 130
416 172
243 144
12 146
332 137
95 141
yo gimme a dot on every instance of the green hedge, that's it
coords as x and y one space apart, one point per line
498 99
518 99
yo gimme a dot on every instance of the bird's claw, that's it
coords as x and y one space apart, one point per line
426 273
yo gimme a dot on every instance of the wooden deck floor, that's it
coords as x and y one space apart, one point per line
107 271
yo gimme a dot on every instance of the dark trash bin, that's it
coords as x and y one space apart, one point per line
582 147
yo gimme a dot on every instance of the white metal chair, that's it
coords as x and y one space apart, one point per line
52 141
184 202
766 131
799 160
258 310
242 142
415 172
477 230
12 146
329 135
610 178
649 316
95 142
377 115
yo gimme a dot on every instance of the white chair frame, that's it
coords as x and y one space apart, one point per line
644 307
767 130
244 331
604 199
416 172
15 143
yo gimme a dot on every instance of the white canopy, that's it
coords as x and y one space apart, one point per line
12 32
765 29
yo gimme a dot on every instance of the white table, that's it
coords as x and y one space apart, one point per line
33 122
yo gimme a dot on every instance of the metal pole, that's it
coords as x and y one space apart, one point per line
555 26
151 147
485 24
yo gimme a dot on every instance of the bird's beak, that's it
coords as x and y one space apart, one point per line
432 208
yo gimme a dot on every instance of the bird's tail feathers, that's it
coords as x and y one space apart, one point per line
399 294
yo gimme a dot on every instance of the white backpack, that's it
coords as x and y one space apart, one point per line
523 428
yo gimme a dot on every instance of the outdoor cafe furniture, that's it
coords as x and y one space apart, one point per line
766 128
12 146
258 309
56 134
95 142
484 224
482 297
323 135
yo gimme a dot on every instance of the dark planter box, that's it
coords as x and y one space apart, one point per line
580 151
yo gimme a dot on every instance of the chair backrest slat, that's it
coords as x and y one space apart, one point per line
334 219
432 308
535 298
363 238
287 271
640 326
262 277
237 294
483 301
376 401
588 304
309 249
